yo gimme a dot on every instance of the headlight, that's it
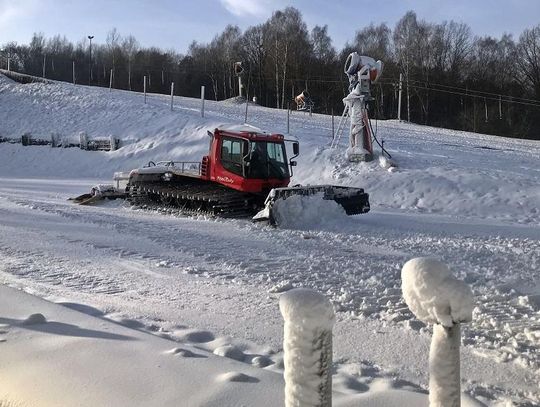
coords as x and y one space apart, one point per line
167 176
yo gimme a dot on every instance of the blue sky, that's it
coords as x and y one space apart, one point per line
174 24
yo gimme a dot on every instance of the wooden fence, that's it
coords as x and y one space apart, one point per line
109 143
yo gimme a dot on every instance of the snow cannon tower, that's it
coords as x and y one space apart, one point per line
362 71
239 71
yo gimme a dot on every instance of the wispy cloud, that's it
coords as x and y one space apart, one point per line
10 10
247 8
7 12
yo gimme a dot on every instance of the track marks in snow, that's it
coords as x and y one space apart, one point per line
50 272
357 267
143 257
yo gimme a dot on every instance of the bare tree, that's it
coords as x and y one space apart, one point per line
130 46
113 41
374 41
405 37
528 60
226 51
254 53
322 63
455 46
205 59
289 46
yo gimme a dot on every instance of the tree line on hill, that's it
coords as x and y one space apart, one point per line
450 78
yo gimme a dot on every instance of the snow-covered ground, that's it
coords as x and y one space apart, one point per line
471 200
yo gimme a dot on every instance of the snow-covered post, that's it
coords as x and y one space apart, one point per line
246 112
202 101
172 95
399 97
83 140
240 87
56 139
288 118
333 133
435 296
26 139
112 142
307 345
144 88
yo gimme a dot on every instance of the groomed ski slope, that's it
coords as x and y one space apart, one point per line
471 200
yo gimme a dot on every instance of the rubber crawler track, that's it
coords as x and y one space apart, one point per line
195 196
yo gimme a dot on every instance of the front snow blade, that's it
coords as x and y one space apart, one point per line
353 200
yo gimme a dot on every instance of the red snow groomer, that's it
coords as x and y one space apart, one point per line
245 172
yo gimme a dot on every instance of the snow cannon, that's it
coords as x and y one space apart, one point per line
303 101
362 71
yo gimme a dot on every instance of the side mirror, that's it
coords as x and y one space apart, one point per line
210 134
293 163
296 148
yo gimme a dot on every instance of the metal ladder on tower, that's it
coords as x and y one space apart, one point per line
341 127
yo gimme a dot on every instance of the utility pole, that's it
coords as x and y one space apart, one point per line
44 63
90 77
7 55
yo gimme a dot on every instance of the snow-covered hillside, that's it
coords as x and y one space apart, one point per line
471 200
441 171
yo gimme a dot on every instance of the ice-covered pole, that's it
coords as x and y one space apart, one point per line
172 95
307 345
202 101
435 296
144 88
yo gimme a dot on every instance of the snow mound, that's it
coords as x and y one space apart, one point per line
307 212
237 377
241 127
387 164
433 294
230 351
281 287
185 353
35 319
237 100
261 361
5 80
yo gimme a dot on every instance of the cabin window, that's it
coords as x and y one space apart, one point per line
267 160
231 155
